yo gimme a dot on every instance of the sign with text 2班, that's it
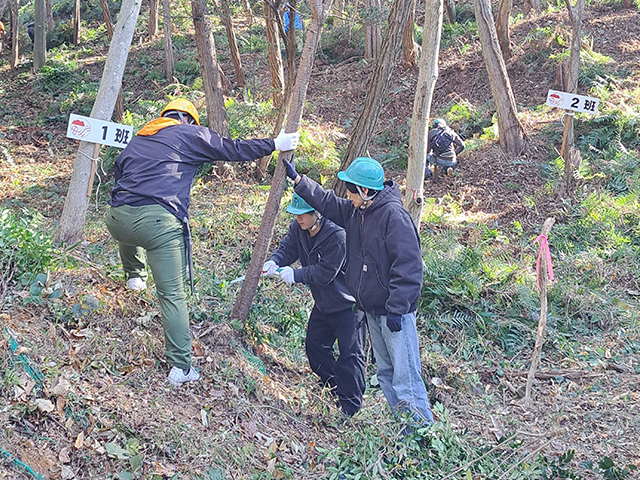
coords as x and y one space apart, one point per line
572 101
93 130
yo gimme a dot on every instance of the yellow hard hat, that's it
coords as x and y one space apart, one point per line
182 105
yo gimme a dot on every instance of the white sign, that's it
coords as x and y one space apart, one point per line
93 130
571 101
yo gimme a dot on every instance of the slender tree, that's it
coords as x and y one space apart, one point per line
575 15
119 112
247 12
502 28
76 22
13 24
209 64
275 59
409 46
450 8
378 87
48 15
373 29
419 133
76 202
40 36
168 46
511 133
153 18
319 11
225 16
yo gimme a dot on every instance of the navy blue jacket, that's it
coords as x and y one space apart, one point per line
322 263
160 168
384 261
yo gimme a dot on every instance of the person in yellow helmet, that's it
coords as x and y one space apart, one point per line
149 205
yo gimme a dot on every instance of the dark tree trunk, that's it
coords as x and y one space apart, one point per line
153 18
378 87
502 28
76 22
13 24
168 45
225 15
40 36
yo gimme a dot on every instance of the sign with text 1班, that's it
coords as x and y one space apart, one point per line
93 130
572 101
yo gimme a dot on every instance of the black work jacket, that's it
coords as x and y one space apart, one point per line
322 259
384 261
454 149
160 168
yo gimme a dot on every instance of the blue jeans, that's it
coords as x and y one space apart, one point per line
440 163
399 371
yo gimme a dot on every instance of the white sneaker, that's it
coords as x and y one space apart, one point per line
136 284
177 376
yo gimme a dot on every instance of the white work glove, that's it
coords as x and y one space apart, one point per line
269 268
286 275
287 141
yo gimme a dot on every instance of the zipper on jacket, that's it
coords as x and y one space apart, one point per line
363 259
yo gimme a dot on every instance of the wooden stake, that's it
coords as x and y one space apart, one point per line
537 350
92 172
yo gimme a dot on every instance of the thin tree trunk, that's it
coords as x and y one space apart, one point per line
419 133
233 44
373 30
209 64
319 11
39 36
13 24
76 22
153 18
275 59
119 112
409 46
76 202
575 15
450 8
48 15
378 87
168 45
502 28
511 133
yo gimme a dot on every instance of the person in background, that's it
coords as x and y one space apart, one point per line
320 246
30 32
383 273
148 213
444 147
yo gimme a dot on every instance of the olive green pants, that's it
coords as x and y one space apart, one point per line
153 229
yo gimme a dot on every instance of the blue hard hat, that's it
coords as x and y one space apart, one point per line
365 172
298 206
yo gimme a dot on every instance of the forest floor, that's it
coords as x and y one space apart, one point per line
90 398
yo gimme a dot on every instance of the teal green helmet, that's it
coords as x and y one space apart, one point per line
365 172
298 206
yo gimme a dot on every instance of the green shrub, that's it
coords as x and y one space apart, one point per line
23 245
57 76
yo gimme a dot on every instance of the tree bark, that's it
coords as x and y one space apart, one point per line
153 18
450 8
106 15
378 87
76 22
168 45
48 15
247 12
419 133
76 202
275 59
409 46
319 11
225 16
502 28
39 36
373 30
575 15
13 24
209 64
3 6
511 133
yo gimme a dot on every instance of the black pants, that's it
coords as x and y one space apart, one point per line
346 373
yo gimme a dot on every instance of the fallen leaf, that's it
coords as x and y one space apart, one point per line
20 350
271 465
63 456
203 417
278 474
44 405
60 405
234 390
250 428
63 387
80 440
66 473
